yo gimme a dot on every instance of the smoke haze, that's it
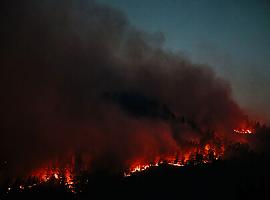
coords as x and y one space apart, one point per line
76 75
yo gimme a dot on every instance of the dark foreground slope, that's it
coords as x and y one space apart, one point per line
247 178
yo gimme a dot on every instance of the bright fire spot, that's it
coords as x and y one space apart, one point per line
207 147
56 176
244 131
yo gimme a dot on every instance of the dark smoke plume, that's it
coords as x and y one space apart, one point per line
76 75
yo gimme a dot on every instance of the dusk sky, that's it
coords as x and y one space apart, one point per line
231 36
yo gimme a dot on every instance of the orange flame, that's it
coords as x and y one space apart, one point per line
178 161
63 175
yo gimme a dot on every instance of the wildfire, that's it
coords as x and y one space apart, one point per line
45 175
62 175
194 155
58 175
143 167
205 154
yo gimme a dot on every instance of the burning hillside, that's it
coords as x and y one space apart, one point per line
196 154
77 77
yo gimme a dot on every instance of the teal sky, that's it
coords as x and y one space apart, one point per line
233 36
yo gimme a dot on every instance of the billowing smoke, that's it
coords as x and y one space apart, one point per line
76 76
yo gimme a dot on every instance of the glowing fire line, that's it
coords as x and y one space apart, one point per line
174 161
244 131
67 175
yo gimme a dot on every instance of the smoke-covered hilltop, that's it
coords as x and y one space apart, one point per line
76 75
